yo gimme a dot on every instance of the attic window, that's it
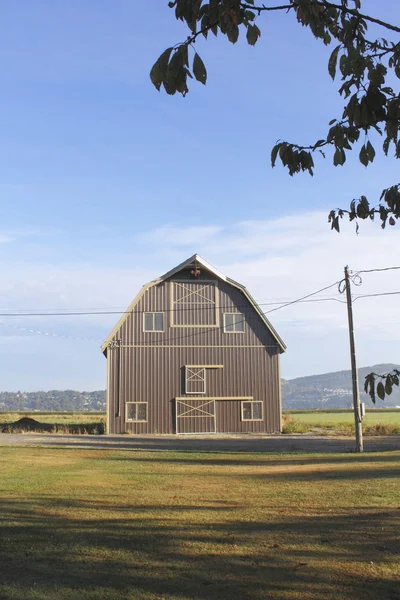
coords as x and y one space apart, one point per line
153 321
233 323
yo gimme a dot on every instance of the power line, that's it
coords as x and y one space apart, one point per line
181 309
50 334
302 300
377 270
375 295
221 327
304 297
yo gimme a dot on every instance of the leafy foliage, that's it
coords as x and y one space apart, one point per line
381 385
366 69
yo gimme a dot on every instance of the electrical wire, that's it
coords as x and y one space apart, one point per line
304 299
50 334
121 312
221 327
377 270
164 341
375 295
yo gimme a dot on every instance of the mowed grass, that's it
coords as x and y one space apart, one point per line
113 525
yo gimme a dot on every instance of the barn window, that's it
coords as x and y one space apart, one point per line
136 412
195 380
252 411
233 323
153 321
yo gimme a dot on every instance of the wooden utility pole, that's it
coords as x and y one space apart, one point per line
354 373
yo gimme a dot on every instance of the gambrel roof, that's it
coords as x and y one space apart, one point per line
190 262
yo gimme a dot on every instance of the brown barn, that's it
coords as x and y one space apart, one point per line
193 353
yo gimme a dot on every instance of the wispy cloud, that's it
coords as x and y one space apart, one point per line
278 260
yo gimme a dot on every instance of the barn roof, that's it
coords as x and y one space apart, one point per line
190 262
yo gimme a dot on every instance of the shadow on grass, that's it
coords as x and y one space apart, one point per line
260 461
91 549
275 444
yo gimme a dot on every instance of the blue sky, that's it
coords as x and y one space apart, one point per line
106 183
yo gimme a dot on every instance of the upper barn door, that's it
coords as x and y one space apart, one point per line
194 304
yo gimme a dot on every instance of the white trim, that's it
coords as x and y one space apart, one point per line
218 398
187 263
191 375
135 420
252 402
174 304
205 366
190 409
108 412
218 274
153 312
234 324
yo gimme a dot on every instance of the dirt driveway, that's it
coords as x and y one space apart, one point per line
237 443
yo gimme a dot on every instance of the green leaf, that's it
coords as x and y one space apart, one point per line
380 390
364 156
333 62
388 385
159 68
252 35
339 157
370 151
233 33
274 153
199 69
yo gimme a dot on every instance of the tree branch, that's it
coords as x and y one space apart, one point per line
326 4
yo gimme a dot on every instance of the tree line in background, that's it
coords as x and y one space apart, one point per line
54 400
324 391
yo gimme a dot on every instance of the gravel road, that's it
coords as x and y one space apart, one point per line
238 443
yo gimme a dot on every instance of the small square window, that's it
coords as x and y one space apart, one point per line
252 411
234 322
153 321
136 412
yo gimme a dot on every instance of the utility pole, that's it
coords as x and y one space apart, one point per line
354 373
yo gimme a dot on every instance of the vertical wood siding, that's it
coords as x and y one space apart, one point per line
150 366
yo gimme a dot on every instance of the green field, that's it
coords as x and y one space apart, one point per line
62 418
378 422
125 525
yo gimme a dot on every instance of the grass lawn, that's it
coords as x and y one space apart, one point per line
114 525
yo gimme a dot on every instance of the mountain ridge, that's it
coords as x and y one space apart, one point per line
334 389
321 391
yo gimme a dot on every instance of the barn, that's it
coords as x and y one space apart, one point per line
192 354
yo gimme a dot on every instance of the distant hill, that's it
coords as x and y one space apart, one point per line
333 390
330 390
54 400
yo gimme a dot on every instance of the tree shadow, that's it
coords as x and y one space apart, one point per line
90 549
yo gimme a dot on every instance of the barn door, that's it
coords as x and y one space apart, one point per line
195 416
